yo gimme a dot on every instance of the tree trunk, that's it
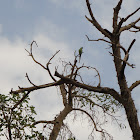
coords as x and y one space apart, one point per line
128 103
132 117
59 122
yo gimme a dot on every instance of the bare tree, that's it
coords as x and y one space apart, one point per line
71 83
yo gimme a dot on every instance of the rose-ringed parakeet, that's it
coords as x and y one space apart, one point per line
80 53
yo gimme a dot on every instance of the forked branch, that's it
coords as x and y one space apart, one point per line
104 90
129 26
126 58
95 22
47 65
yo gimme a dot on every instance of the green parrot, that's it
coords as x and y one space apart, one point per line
80 53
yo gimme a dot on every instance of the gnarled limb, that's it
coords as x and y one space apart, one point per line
104 90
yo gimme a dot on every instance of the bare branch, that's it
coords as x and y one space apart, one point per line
137 27
126 58
124 50
29 80
125 19
88 67
118 45
129 26
94 123
135 84
29 89
104 90
132 43
78 109
94 21
47 65
116 12
44 121
98 40
31 54
53 57
119 25
131 65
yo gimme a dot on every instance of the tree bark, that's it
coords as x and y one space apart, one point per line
132 117
127 100
59 122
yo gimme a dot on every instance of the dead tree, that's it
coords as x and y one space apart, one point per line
125 97
70 85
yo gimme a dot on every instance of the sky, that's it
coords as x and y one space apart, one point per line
61 25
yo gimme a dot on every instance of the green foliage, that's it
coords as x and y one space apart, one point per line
20 119
72 138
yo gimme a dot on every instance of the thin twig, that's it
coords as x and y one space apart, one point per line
47 65
30 80
135 84
100 39
131 14
44 121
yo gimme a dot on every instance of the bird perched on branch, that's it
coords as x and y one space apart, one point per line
80 53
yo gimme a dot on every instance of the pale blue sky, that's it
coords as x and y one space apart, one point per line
60 24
